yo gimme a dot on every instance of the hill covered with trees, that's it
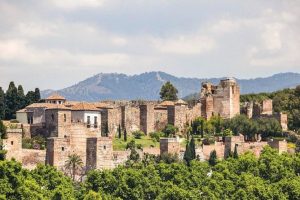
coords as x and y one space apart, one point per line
15 99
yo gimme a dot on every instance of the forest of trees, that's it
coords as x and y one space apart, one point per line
15 99
287 100
272 176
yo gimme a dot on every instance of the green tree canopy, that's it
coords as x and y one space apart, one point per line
168 92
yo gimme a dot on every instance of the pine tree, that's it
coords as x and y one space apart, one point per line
213 158
2 104
193 148
168 92
11 101
235 153
125 135
119 132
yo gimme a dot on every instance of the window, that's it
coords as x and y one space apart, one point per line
12 142
63 148
104 147
65 117
88 121
95 122
52 117
59 102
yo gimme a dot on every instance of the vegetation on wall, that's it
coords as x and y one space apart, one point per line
15 99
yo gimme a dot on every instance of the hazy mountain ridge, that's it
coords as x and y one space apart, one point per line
147 86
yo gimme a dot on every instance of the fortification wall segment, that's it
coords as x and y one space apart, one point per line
32 157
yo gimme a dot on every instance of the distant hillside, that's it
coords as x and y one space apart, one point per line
147 86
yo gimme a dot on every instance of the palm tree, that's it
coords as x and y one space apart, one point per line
74 164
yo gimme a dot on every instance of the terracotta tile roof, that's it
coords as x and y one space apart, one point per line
102 105
180 102
71 103
55 96
85 106
47 106
166 103
22 110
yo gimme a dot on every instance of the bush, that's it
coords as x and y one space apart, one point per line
156 136
138 134
170 130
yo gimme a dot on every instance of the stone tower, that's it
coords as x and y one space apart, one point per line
222 99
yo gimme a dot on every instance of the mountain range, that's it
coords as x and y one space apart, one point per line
146 86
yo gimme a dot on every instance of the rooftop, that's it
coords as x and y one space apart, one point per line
55 96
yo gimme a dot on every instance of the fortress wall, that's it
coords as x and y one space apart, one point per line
160 119
32 157
13 144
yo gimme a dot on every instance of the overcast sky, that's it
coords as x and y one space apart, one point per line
56 43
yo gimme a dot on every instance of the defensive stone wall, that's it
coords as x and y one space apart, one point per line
160 118
169 145
32 157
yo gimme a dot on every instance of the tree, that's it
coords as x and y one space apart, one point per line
119 132
74 165
213 158
193 148
21 98
235 153
2 104
188 153
125 135
297 90
91 195
30 97
170 130
168 92
37 95
11 101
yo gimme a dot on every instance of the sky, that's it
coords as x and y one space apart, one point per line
52 44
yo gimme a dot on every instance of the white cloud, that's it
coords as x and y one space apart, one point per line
76 4
185 44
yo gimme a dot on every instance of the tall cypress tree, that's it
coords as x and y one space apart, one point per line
125 135
2 104
193 148
37 95
11 101
213 158
119 132
21 98
187 154
30 97
235 153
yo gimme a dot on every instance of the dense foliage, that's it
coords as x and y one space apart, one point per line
168 92
14 99
272 176
287 100
241 124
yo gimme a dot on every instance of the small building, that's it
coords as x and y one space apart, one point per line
55 99
86 113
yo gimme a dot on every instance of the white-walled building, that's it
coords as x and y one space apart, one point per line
86 113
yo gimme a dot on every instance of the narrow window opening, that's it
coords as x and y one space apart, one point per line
12 142
63 148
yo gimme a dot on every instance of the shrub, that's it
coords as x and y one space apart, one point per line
138 134
156 136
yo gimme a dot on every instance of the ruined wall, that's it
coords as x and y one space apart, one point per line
169 145
160 118
38 114
32 157
207 106
283 120
130 118
147 118
13 144
267 107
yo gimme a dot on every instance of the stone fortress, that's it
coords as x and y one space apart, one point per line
87 129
